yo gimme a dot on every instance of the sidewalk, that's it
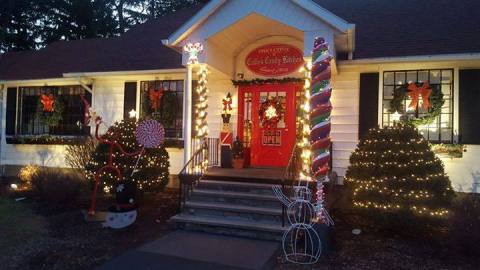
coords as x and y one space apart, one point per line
184 250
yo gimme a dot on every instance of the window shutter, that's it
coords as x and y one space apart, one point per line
11 115
88 97
469 109
368 103
129 98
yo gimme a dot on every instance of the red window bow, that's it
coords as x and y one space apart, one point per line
48 102
415 92
155 96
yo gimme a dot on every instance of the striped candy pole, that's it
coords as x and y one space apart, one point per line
321 92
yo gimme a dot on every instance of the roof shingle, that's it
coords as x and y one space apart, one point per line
392 28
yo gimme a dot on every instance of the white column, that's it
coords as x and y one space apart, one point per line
187 115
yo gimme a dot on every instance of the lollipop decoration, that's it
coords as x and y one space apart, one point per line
150 134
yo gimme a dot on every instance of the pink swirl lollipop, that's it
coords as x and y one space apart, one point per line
150 133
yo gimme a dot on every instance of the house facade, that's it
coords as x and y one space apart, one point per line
255 51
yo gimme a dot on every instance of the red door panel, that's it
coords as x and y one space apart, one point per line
269 146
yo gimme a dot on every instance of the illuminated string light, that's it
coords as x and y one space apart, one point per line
201 125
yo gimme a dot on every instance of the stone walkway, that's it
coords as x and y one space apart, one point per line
184 250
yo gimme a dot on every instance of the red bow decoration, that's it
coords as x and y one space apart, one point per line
415 92
227 104
155 96
47 101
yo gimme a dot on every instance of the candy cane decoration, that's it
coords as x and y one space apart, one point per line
320 121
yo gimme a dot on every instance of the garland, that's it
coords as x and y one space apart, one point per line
267 81
435 100
49 110
270 112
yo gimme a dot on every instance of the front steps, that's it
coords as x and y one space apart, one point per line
232 208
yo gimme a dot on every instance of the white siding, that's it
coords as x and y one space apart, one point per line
107 100
345 98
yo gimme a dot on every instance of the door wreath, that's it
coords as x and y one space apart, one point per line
270 112
432 99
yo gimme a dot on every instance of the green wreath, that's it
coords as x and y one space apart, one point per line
436 101
270 121
167 111
51 119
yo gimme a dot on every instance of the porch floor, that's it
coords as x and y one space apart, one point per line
266 174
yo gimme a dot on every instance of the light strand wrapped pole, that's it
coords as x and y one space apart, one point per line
201 126
321 92
304 119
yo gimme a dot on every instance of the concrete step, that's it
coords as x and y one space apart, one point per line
255 188
235 197
226 226
235 211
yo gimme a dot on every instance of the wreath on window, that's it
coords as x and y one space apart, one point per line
270 112
162 109
432 102
50 110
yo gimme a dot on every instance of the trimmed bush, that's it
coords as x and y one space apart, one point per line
57 187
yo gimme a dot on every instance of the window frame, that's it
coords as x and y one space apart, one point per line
178 129
451 98
66 130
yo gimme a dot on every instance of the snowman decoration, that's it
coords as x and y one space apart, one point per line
301 243
149 134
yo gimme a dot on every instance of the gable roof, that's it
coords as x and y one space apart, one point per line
396 28
393 28
336 22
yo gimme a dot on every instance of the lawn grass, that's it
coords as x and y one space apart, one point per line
18 224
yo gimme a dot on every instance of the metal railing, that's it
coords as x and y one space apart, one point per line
206 155
291 174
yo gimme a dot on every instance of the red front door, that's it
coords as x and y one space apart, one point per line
269 146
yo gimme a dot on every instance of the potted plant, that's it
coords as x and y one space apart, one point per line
237 153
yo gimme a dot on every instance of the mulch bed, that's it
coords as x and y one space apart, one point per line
72 243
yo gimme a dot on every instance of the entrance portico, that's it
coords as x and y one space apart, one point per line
229 31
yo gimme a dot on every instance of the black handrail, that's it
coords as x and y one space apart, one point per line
205 155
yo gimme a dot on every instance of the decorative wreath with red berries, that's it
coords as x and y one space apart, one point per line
270 112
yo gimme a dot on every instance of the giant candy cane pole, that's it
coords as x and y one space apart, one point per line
320 120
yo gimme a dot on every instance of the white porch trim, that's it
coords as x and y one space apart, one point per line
419 58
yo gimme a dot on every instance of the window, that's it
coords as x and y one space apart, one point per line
71 119
170 109
441 130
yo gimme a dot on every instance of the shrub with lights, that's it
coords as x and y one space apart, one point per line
397 180
151 173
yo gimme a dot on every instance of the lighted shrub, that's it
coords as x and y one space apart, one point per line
397 181
152 170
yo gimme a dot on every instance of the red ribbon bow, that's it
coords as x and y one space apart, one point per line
415 92
227 105
47 101
155 96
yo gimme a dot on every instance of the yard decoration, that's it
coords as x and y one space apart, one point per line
396 177
270 112
301 242
149 134
149 173
432 103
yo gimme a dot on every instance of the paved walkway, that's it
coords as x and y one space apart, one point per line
183 250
